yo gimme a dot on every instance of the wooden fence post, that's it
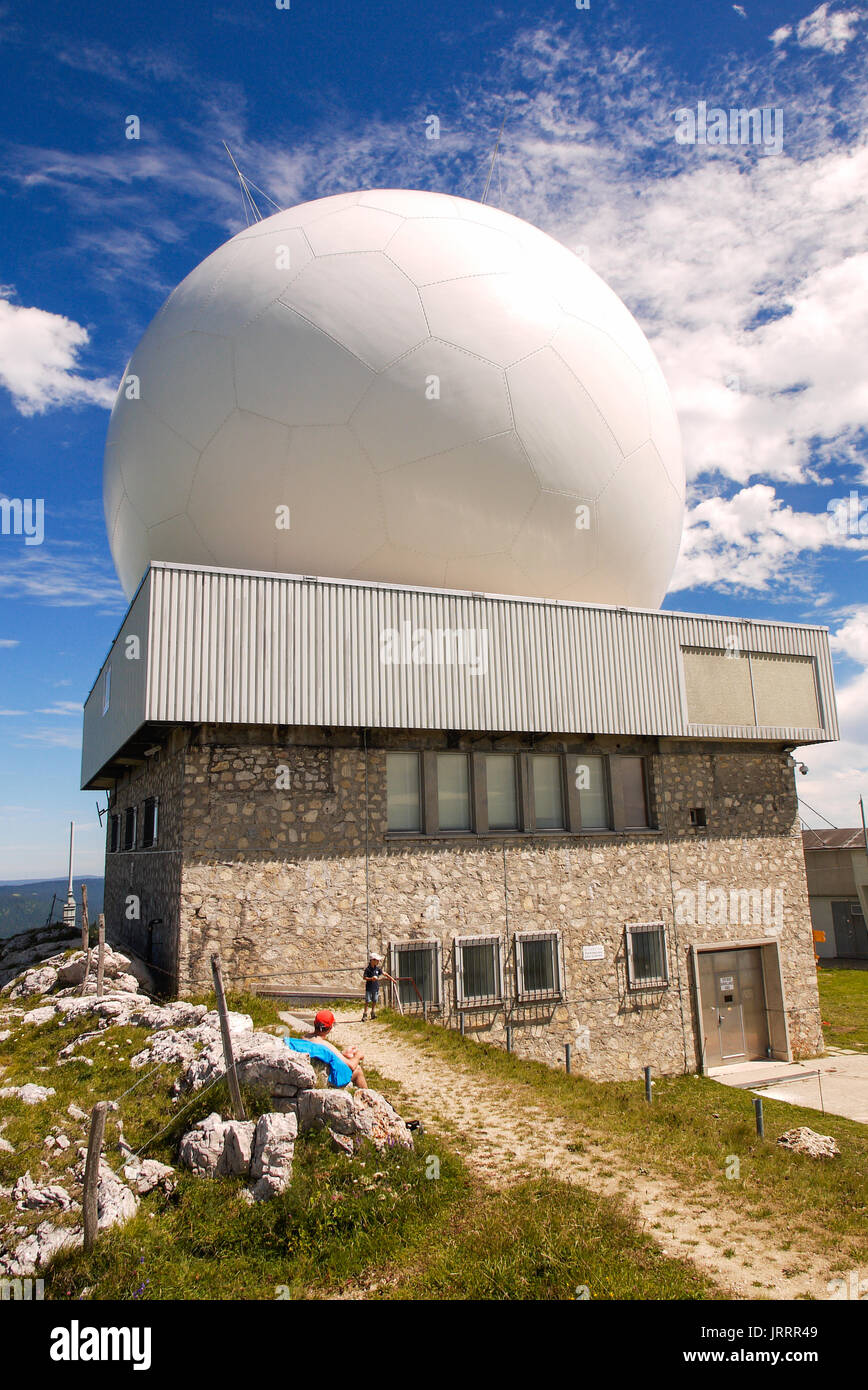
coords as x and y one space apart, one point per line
91 1172
100 964
228 1057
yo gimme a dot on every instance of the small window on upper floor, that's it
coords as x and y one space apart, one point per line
632 772
150 822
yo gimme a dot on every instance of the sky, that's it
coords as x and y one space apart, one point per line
745 264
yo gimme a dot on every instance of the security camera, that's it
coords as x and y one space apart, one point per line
803 769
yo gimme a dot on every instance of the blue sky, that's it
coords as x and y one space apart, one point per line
747 267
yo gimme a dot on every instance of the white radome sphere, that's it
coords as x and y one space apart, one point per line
441 395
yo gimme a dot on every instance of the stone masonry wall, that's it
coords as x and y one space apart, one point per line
276 877
142 885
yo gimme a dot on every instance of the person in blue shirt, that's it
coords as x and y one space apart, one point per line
343 1067
372 975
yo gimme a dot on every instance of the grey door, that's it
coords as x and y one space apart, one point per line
734 1020
851 934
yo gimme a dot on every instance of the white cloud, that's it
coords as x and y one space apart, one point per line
752 541
838 772
53 738
62 707
9 642
39 354
64 574
10 712
830 32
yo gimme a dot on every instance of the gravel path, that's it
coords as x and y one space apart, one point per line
478 1117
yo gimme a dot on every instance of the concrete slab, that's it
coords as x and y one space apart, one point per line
840 1089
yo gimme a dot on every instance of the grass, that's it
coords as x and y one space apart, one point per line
691 1131
844 1007
545 1240
394 1225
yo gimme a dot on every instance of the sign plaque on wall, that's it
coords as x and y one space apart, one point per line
593 953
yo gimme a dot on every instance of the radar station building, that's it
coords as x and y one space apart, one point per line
560 823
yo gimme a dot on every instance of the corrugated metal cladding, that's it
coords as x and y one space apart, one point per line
229 646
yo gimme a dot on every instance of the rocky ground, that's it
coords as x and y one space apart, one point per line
39 1216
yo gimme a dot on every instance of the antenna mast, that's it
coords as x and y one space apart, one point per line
493 159
247 196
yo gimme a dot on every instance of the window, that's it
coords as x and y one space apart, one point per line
632 771
403 791
593 796
537 966
107 689
453 791
697 816
419 961
647 967
149 822
548 792
502 790
114 834
478 973
130 828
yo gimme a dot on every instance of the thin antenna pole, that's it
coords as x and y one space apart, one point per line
244 188
493 158
864 827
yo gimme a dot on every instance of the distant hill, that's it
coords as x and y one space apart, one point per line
24 906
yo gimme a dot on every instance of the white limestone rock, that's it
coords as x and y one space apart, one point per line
28 1195
273 1149
326 1109
44 1014
29 1093
116 1203
34 1252
803 1140
376 1120
36 981
143 1175
218 1147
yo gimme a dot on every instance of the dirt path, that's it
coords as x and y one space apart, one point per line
478 1117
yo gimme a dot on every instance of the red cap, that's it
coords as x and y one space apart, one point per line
325 1018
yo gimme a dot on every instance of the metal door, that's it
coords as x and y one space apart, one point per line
851 936
733 1005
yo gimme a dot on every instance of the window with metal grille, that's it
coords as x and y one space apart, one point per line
537 965
647 966
478 972
417 962
130 828
149 822
114 834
